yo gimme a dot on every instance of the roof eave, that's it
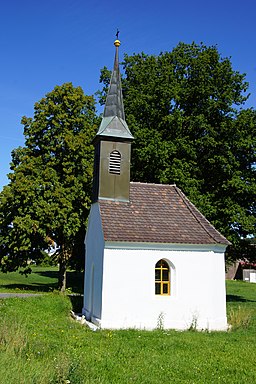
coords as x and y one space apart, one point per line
216 247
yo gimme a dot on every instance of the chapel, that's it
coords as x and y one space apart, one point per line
152 259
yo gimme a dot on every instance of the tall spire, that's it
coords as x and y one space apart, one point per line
113 123
111 178
114 102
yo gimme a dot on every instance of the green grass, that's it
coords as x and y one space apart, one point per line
41 344
42 279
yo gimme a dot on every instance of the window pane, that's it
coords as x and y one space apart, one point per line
157 288
165 275
157 275
165 288
164 264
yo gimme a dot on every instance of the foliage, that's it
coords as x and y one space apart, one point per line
185 110
46 203
39 343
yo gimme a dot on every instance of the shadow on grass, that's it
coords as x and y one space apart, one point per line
75 280
49 274
236 298
77 303
31 287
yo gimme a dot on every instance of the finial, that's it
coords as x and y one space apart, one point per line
117 42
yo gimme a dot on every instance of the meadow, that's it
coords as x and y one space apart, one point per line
41 344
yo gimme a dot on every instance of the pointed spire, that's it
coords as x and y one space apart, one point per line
114 102
113 123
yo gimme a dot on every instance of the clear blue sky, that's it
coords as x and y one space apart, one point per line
50 42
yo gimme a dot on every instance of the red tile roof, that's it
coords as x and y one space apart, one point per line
157 213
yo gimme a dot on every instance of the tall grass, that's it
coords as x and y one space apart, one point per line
240 317
41 344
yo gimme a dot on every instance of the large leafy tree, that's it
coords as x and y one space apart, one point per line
47 200
185 110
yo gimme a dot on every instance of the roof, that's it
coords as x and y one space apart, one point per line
156 213
114 126
113 123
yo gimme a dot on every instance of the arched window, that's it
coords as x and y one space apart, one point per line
162 278
114 162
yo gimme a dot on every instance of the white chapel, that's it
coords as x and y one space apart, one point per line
152 259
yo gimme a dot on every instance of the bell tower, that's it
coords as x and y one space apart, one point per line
111 179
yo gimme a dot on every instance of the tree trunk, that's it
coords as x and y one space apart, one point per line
62 273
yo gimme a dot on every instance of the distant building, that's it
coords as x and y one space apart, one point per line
152 259
242 270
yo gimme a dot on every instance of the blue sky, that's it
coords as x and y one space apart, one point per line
50 42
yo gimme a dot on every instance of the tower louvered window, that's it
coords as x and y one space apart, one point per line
114 162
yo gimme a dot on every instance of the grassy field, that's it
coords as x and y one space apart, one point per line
42 279
41 344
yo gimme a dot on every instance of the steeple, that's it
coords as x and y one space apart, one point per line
113 145
113 123
114 103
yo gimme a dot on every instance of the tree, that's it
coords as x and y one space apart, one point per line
47 200
185 110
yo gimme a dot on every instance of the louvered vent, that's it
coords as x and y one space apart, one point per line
114 163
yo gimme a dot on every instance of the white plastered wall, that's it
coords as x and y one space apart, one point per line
198 296
94 251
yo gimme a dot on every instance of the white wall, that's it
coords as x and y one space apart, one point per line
94 250
197 289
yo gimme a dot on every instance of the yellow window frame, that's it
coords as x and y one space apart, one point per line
162 278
